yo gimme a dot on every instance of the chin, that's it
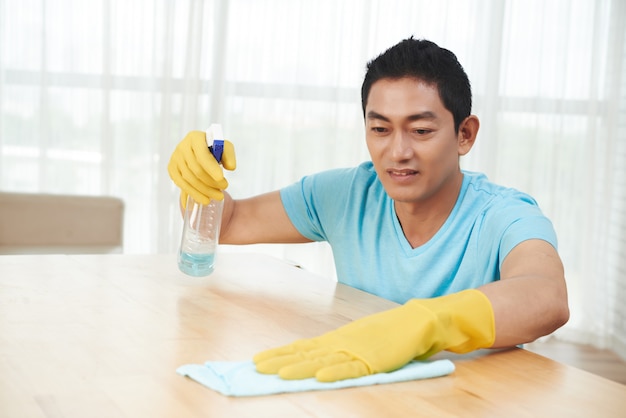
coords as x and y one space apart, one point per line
404 197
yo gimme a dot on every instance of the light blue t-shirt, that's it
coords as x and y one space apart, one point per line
350 209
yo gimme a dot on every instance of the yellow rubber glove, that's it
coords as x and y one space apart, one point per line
193 168
388 340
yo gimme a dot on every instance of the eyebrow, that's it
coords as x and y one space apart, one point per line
418 116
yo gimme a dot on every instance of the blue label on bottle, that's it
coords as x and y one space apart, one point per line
217 149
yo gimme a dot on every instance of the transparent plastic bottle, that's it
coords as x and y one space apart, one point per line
201 230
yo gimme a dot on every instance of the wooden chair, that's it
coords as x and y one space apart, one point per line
60 224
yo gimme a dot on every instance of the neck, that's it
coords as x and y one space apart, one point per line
421 220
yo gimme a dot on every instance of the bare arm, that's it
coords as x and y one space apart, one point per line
259 219
530 300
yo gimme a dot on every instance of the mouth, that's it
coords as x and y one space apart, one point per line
402 174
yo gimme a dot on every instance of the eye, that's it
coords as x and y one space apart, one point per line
422 131
378 129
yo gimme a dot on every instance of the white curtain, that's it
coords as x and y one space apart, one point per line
94 96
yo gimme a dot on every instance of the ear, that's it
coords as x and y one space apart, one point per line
468 130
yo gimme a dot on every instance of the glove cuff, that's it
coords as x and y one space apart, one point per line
466 319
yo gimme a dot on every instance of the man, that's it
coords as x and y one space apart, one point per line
473 263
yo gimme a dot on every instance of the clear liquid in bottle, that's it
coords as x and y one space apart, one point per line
201 229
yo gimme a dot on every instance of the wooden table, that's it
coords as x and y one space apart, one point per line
102 335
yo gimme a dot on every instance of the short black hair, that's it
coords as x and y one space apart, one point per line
423 60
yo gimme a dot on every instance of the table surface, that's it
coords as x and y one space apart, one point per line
102 336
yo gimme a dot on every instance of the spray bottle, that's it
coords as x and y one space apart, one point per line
201 229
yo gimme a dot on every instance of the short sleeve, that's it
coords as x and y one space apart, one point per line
317 203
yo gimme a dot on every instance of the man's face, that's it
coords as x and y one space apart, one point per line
411 140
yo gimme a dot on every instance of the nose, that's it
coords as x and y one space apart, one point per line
400 146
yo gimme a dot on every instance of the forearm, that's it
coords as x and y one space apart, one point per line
259 219
227 214
530 301
526 310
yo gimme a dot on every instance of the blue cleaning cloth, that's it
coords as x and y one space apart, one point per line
241 378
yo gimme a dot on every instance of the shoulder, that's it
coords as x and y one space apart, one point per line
506 214
338 179
317 203
479 189
364 170
333 186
